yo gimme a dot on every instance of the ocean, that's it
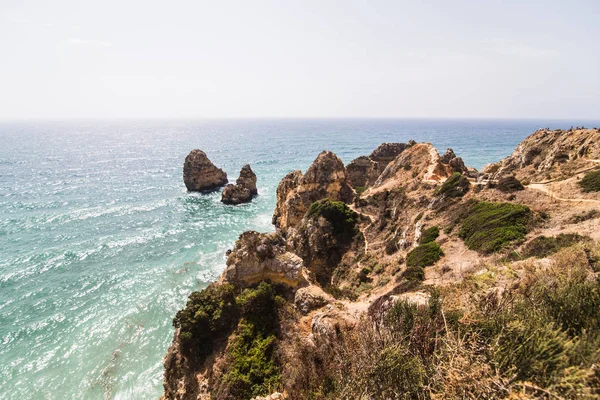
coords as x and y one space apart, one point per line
100 244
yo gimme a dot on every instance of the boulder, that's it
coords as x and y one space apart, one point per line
261 256
310 298
244 188
325 178
200 174
509 184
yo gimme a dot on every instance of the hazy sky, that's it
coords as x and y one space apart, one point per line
197 59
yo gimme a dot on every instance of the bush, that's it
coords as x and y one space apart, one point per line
360 189
391 246
341 217
424 255
585 216
489 227
414 274
543 246
591 182
430 234
208 315
252 366
455 186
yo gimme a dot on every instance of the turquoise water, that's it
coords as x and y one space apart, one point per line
100 244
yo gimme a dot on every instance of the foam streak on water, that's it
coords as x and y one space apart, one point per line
100 244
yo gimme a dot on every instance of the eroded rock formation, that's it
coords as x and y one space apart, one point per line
200 174
257 257
325 178
548 154
364 171
244 188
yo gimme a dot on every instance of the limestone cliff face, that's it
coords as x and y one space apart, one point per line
258 257
244 188
549 154
325 178
200 174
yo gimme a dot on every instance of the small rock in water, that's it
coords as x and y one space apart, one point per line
244 188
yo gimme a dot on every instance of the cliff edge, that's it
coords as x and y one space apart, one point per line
409 276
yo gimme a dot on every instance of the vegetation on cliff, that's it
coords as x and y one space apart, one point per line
430 234
455 186
489 227
247 323
208 315
341 217
252 368
591 182
424 255
543 246
540 339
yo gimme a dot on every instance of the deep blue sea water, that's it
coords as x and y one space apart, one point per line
100 244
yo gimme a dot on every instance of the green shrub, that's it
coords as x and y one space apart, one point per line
430 234
585 216
391 246
252 365
360 189
543 246
591 182
488 227
208 315
455 186
414 274
341 217
547 333
424 255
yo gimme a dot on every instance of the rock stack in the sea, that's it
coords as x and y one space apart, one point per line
244 188
200 174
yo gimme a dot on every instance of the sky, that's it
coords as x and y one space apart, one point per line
299 59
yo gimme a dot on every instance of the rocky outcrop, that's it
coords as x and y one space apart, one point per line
364 171
200 174
257 257
456 163
324 235
243 190
325 178
311 298
548 154
509 184
387 152
420 162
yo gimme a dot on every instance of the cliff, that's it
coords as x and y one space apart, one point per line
431 281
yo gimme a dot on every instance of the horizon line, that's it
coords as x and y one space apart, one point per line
299 118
